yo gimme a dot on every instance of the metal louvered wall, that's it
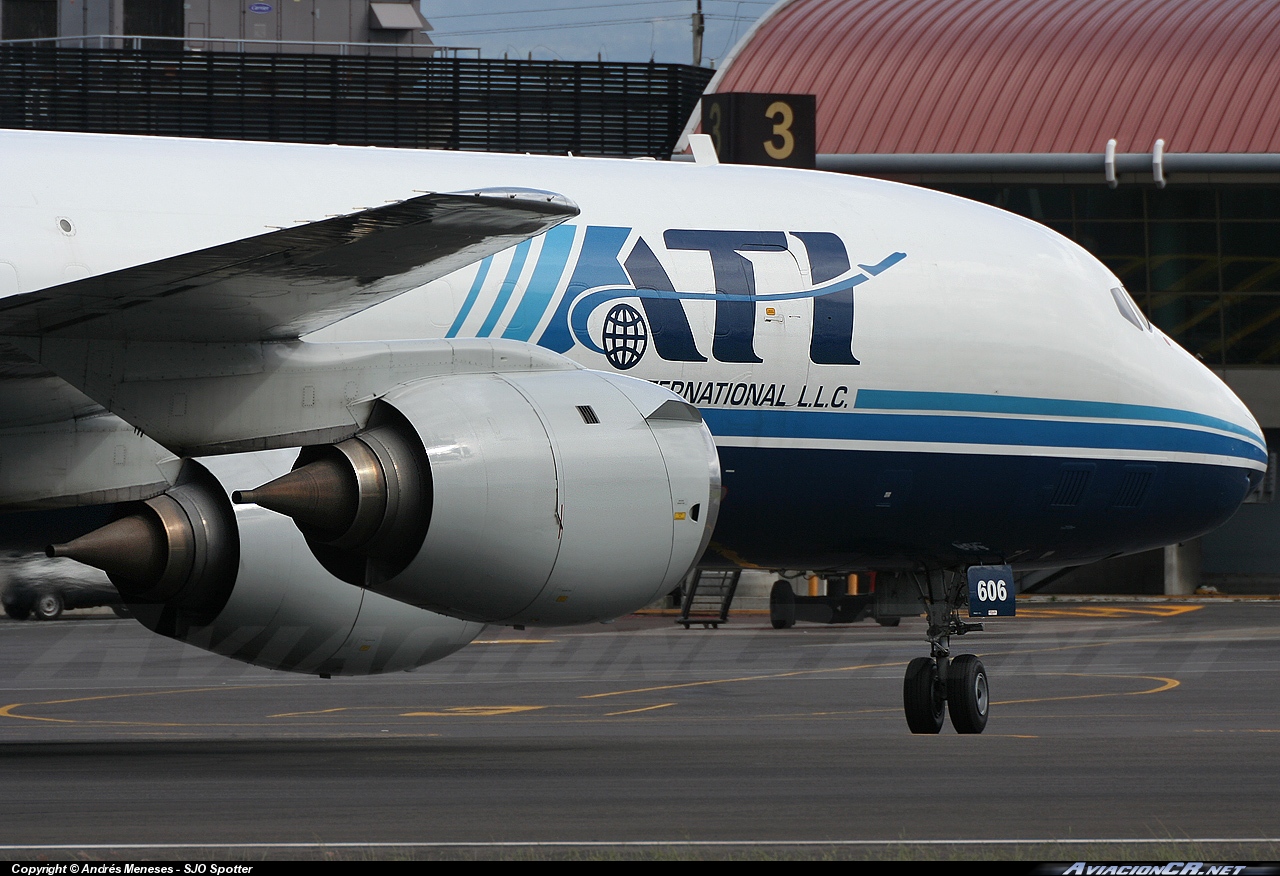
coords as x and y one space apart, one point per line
547 107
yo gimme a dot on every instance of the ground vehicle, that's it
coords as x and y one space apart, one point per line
37 588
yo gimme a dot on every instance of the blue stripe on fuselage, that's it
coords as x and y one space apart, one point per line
886 399
542 285
518 256
472 295
959 430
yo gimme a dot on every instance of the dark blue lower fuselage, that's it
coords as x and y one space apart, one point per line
849 509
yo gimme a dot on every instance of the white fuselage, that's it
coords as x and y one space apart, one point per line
975 333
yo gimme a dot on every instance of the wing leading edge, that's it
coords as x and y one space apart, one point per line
285 283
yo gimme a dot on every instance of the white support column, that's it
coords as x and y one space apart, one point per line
1182 568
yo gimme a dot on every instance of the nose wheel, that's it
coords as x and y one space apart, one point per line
924 697
967 694
939 683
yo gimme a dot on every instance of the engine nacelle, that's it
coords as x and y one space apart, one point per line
245 584
541 498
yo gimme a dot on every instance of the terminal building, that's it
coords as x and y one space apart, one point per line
1148 131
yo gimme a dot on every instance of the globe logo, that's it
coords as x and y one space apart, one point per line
625 336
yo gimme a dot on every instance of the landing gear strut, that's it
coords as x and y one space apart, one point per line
938 683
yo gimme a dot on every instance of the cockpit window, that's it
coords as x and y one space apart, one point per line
1129 308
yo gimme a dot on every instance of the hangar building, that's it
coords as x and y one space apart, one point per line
1146 130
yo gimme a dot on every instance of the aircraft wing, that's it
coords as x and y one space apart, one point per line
285 283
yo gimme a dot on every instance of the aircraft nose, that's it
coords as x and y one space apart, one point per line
1218 453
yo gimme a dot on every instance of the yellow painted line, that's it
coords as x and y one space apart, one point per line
1020 651
472 712
618 693
1109 611
1165 684
452 711
8 711
513 641
634 711
799 672
307 714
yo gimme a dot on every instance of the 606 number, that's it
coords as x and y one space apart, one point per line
992 591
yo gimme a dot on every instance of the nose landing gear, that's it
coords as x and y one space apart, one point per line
939 683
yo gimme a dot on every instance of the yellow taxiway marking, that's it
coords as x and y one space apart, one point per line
1108 611
448 712
618 693
8 711
308 714
799 672
1165 684
513 641
472 712
633 711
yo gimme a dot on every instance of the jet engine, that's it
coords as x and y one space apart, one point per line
542 498
242 583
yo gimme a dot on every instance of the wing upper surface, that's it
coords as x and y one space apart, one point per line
286 283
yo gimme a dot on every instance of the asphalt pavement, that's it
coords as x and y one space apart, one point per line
1144 727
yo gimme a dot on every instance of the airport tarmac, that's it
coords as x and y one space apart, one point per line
1149 727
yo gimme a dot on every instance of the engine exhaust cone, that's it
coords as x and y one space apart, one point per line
321 494
132 548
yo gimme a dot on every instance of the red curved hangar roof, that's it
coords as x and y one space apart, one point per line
1010 76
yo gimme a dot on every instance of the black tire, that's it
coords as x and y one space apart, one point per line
18 610
121 611
888 621
968 697
922 698
48 606
782 606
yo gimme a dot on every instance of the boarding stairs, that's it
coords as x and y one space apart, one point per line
707 596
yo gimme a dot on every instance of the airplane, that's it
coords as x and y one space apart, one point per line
332 410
